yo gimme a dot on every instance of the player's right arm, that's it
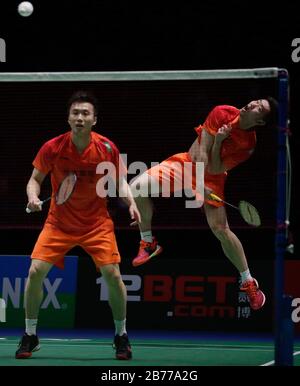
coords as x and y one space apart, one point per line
33 190
212 136
199 152
201 148
216 164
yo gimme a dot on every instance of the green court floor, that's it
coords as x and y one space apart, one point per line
146 352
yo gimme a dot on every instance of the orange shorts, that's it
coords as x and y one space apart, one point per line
100 243
171 171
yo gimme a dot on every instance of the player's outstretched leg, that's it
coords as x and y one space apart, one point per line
149 247
147 250
233 249
256 296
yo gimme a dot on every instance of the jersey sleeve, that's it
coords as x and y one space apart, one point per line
214 121
44 159
219 116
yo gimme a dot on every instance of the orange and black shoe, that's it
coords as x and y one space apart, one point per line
256 296
122 347
28 344
146 252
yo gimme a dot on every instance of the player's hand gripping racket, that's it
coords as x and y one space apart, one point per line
247 211
64 191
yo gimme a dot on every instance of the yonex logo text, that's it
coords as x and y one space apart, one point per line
12 292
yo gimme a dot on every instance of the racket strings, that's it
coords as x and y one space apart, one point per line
66 189
249 213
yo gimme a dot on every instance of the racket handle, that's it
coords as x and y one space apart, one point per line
41 203
215 197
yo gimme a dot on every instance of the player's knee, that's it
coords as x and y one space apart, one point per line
221 232
36 274
113 279
111 275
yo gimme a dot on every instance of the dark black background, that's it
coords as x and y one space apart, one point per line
107 35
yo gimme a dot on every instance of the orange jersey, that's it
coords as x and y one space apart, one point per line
84 210
239 146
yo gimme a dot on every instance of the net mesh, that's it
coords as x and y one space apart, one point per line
147 120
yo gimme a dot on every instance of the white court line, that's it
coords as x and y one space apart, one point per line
64 340
272 362
160 347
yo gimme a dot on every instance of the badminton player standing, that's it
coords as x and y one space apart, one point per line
82 220
226 139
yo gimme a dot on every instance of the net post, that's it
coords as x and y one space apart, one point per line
284 328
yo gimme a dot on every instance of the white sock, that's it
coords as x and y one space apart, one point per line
120 326
147 236
246 275
30 326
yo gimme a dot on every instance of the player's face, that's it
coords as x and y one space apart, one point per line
82 117
255 111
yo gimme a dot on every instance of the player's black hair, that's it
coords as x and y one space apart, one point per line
271 118
83 96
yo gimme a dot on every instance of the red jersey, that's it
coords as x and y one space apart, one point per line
240 144
84 210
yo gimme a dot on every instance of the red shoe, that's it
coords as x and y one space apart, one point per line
256 296
146 251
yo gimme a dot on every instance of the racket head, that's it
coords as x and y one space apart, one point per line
249 213
66 188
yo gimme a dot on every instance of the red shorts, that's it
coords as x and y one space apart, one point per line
171 171
100 243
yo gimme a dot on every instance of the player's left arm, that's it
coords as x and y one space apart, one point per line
123 187
217 164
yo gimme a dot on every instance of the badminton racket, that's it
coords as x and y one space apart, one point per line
247 210
64 191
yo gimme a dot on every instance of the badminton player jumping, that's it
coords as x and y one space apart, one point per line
77 216
226 139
